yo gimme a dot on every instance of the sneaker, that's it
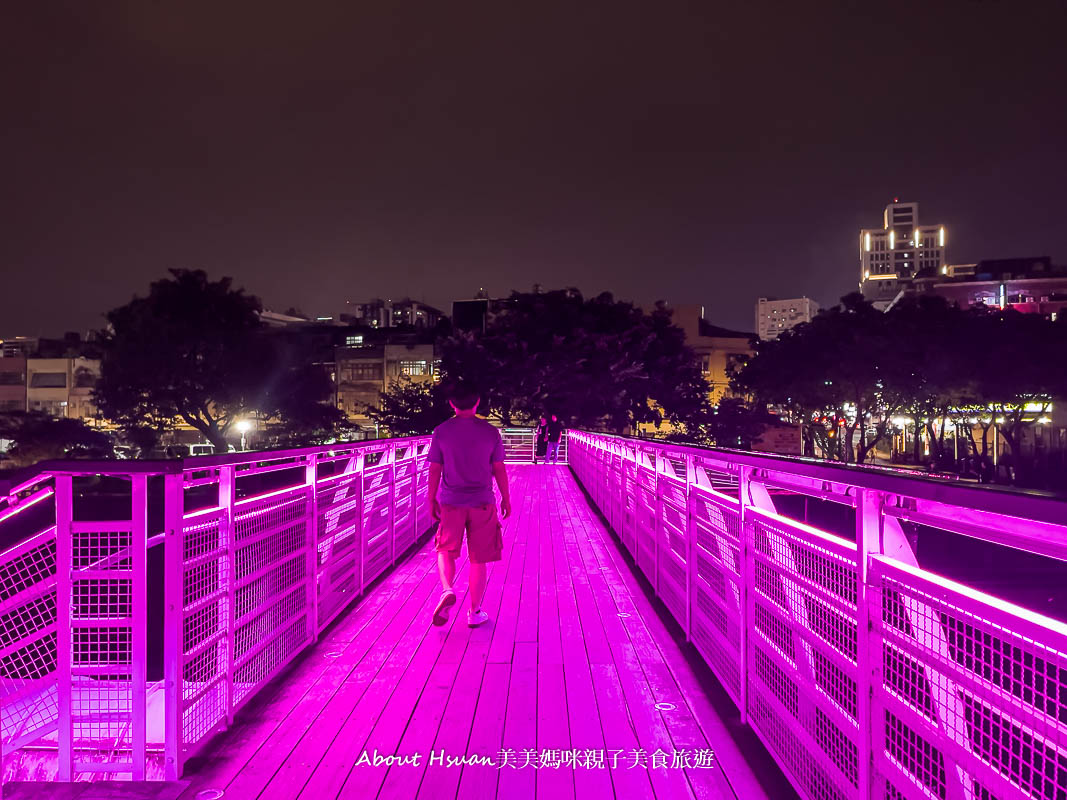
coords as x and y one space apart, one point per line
440 614
476 618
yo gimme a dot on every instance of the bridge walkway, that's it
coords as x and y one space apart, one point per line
575 659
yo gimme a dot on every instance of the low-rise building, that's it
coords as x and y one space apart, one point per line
774 316
364 372
13 383
382 314
18 346
717 348
1029 285
62 387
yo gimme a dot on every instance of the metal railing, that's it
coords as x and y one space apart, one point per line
864 675
256 553
520 446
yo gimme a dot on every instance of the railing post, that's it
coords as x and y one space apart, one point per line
173 623
64 556
228 526
744 495
139 618
690 545
868 540
390 477
311 480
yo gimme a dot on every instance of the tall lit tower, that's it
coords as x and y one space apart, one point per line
901 250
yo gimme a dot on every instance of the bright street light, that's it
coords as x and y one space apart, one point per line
243 426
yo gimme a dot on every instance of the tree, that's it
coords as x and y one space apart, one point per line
39 437
830 373
410 408
598 363
926 374
297 399
852 369
1027 371
733 423
189 351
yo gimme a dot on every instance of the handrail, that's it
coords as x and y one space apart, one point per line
864 675
247 584
1039 504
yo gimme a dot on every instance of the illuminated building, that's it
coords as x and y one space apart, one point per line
774 316
902 249
380 314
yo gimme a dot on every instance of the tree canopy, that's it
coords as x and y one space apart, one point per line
39 437
194 351
850 371
596 362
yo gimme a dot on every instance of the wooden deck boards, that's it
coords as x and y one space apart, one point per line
557 669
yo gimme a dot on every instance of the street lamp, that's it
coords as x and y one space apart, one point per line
243 427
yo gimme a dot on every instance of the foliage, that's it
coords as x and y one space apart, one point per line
825 373
849 372
735 424
295 397
1023 366
411 408
39 437
595 363
188 351
194 351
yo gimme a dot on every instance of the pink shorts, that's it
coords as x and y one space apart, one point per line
485 539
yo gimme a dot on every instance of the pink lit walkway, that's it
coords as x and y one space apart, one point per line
561 666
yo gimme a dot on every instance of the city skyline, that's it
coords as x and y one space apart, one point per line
711 156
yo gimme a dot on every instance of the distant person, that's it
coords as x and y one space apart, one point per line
540 439
555 433
466 454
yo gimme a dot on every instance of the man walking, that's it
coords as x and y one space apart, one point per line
555 433
466 454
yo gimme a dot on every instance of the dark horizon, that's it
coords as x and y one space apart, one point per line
693 155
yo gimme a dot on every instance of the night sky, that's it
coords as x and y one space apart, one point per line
704 152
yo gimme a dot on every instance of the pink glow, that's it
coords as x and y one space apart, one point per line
778 608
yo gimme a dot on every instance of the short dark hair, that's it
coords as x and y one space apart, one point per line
463 396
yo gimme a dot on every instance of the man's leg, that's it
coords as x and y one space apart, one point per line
446 568
448 540
478 578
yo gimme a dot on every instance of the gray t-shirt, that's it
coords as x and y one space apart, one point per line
467 448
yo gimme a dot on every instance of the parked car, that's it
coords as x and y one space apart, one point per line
208 450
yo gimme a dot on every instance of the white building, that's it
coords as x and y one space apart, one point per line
902 249
62 387
775 316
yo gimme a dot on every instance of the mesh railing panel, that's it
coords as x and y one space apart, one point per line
207 570
803 648
29 707
906 686
337 544
247 585
263 575
962 679
716 611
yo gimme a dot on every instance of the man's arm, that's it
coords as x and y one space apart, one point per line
431 491
501 474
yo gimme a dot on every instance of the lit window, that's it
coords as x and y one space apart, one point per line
415 367
355 339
